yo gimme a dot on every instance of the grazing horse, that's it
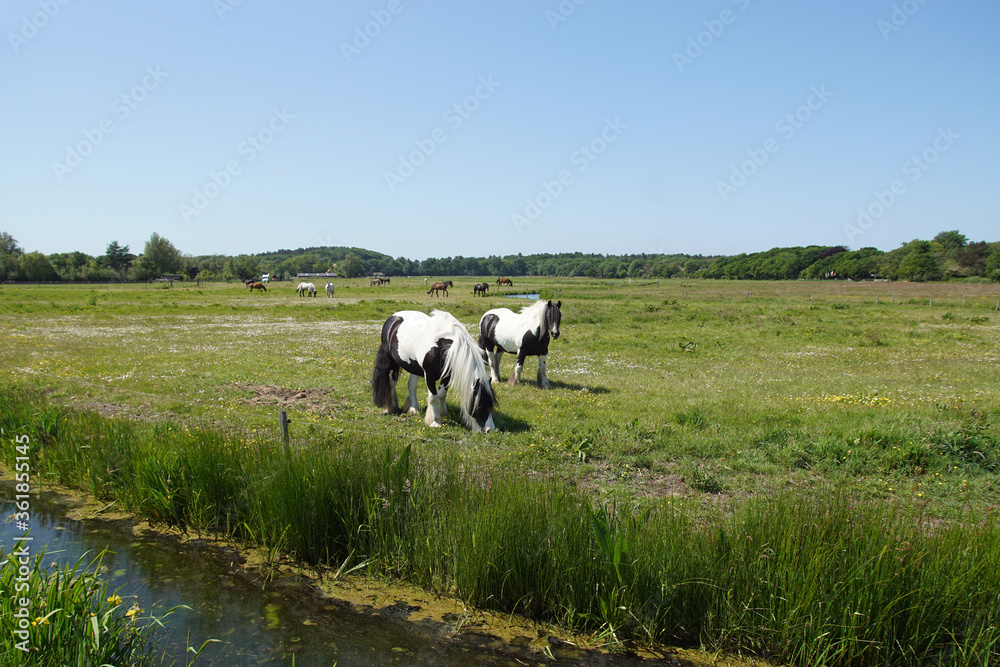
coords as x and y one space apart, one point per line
440 287
526 334
505 281
257 286
480 288
329 289
375 281
438 348
306 288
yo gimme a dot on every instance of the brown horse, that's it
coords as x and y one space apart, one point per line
257 286
440 287
505 281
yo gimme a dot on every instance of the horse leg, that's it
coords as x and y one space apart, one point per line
433 416
543 378
515 377
442 394
411 406
494 362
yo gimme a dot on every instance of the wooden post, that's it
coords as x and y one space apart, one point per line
283 422
876 299
932 301
997 307
894 297
963 301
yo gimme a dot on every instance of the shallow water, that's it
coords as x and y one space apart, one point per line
258 625
533 297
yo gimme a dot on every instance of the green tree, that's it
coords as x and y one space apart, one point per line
161 257
919 264
36 267
992 267
118 257
351 267
952 240
244 267
9 252
8 245
71 265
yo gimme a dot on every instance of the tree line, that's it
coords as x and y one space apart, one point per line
948 256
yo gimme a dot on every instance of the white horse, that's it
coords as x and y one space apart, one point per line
525 334
329 289
306 288
438 348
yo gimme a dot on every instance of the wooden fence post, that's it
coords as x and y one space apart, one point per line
283 422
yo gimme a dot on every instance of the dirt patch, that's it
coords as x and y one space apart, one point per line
311 400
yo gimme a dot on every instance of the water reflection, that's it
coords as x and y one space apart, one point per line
258 625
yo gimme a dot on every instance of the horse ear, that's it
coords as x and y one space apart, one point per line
558 304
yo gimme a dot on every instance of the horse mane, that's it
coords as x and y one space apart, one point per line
464 364
535 313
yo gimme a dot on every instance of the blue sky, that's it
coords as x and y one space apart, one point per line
431 129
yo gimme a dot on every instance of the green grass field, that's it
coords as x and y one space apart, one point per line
805 471
688 390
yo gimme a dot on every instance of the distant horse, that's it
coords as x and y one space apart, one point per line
329 289
505 281
306 288
375 281
526 334
387 281
440 287
438 348
480 288
257 286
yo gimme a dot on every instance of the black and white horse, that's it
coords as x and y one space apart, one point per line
526 334
438 348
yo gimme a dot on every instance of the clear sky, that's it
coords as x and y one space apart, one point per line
443 128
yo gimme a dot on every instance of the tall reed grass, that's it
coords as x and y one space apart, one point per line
804 577
74 617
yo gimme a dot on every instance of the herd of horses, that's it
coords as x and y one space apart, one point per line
309 289
439 348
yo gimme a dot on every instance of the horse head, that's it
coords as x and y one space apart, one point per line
551 318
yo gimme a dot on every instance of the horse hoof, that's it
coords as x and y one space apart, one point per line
512 382
412 411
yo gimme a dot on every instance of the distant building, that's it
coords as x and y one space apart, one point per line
316 275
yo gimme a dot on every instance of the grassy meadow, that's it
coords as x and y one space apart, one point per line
801 470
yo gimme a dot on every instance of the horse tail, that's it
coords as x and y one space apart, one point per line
464 364
384 369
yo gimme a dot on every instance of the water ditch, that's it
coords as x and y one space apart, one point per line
260 623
